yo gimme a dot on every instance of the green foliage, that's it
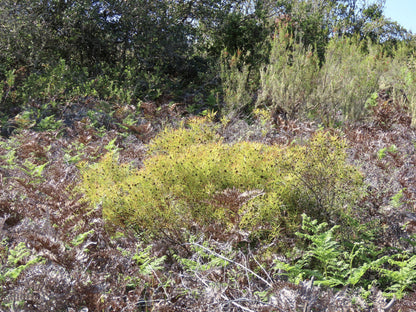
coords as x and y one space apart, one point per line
74 153
239 32
396 199
372 100
197 131
34 171
323 175
18 259
324 258
7 90
402 276
399 79
289 79
329 262
32 165
49 123
148 264
345 85
235 83
381 153
337 263
313 177
9 158
55 53
52 84
189 170
80 238
60 81
347 79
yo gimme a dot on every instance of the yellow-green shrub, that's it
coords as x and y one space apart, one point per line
179 185
196 131
313 178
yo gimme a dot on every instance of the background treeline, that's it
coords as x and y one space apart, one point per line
295 57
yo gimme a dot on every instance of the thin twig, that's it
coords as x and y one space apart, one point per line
263 269
247 275
160 282
224 296
390 304
231 261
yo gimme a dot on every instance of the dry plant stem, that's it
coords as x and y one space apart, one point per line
390 304
263 269
224 296
231 261
247 276
160 282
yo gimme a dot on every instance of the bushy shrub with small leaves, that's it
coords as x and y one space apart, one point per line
399 80
289 79
350 74
235 79
185 182
312 177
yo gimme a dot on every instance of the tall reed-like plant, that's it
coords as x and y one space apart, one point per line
400 79
289 79
346 80
235 82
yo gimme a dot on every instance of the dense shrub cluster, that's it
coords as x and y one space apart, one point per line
206 55
344 87
189 172
220 212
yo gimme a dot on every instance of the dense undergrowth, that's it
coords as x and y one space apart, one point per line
192 179
100 220
266 172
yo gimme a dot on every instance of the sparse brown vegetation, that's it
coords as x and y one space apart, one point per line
231 159
88 262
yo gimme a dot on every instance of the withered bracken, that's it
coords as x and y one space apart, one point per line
98 272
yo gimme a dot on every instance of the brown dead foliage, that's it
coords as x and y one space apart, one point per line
45 212
98 273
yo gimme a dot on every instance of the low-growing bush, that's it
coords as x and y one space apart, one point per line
312 177
399 80
192 179
335 262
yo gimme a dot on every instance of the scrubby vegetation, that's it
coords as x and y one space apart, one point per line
206 156
179 186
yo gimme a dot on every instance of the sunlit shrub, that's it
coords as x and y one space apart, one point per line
338 90
196 131
289 79
400 79
185 181
346 80
235 83
312 178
